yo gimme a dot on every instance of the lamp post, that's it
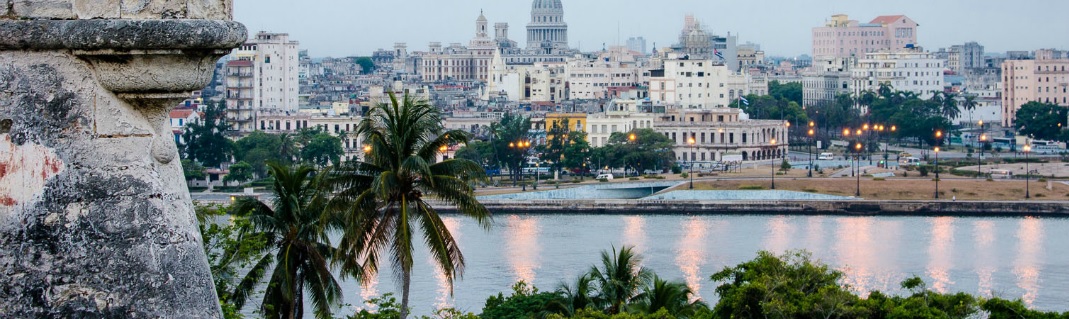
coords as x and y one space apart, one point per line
858 148
691 174
521 146
773 164
980 157
937 172
630 138
887 145
811 141
1027 149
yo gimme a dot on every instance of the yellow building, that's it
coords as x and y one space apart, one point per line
576 121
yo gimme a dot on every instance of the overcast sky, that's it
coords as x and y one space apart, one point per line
782 27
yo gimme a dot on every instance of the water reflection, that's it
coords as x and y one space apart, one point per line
939 253
523 248
634 233
690 252
1029 248
854 247
984 237
445 295
779 234
814 236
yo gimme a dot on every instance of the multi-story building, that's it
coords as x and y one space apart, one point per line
842 37
262 78
721 134
637 44
621 116
696 84
1043 79
699 44
962 57
904 70
591 78
457 62
827 78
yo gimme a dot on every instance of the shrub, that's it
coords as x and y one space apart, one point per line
905 174
633 178
1042 179
923 170
603 180
683 175
878 179
676 169
751 187
1040 195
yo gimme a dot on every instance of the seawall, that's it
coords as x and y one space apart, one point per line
809 207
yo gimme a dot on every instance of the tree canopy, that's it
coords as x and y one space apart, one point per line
1043 121
204 139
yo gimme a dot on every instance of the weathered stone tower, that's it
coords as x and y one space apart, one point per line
95 219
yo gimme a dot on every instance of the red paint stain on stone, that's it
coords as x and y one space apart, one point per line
3 170
7 201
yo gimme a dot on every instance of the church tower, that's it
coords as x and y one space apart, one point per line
547 30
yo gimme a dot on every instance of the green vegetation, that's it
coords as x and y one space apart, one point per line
204 139
382 200
1043 121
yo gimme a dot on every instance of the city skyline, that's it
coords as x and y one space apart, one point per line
782 32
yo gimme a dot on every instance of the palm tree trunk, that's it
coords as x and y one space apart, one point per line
406 281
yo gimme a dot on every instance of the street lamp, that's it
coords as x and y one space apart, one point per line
773 164
980 158
692 146
1027 149
858 148
630 138
937 172
811 140
522 146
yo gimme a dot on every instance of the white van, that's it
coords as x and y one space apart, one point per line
605 177
1001 173
909 161
825 156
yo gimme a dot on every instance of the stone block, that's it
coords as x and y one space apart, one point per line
97 9
44 9
5 6
211 9
154 9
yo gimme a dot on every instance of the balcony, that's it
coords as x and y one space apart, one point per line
240 74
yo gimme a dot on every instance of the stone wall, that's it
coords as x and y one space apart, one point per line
95 219
823 207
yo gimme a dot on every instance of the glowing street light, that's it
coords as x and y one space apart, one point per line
937 170
773 164
857 148
1027 149
692 147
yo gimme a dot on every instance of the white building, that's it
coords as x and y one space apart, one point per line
590 79
827 78
263 78
905 70
696 84
621 116
722 134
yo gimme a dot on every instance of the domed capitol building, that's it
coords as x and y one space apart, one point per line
547 29
547 41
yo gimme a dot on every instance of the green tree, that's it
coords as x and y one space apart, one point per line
619 278
204 139
525 302
791 91
259 148
577 296
477 151
231 246
367 66
998 308
192 170
672 296
294 225
381 200
577 152
1040 120
322 149
778 286
566 148
506 133
239 172
648 150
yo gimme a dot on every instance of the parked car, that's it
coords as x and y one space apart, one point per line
825 156
605 177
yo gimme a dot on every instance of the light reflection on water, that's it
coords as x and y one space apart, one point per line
939 253
1014 257
1029 261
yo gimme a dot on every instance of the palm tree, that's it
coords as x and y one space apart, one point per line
382 199
673 296
619 279
294 226
950 106
578 296
969 104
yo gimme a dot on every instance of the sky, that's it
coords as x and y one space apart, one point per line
338 28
